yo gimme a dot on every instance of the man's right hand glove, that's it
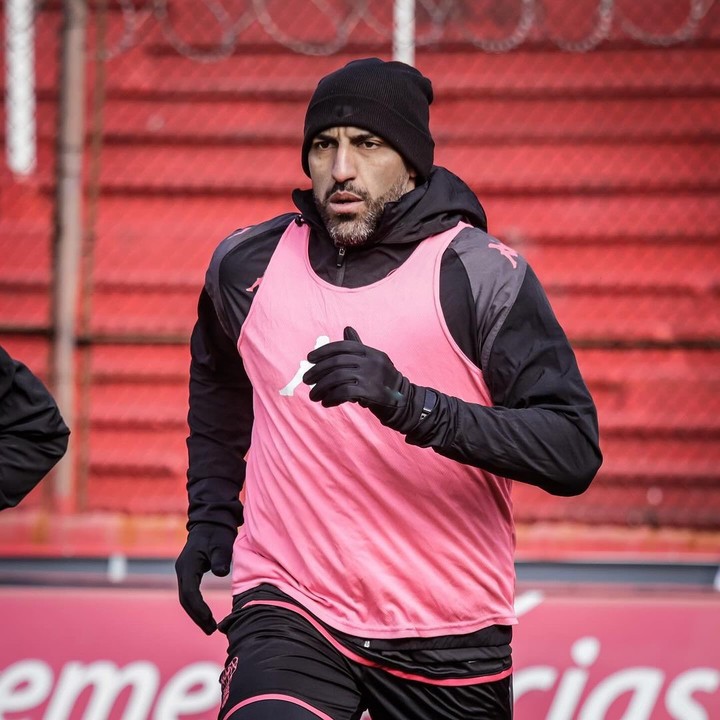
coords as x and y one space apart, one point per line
208 548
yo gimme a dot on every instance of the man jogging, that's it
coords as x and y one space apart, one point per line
373 371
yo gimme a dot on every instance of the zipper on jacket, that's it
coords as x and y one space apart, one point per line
340 264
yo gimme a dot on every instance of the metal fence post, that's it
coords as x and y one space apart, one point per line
20 86
404 31
68 231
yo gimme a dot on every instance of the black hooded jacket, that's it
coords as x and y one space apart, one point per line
542 428
33 435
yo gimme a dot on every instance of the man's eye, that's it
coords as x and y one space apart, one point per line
322 144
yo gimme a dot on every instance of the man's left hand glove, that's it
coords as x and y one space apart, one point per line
349 371
208 548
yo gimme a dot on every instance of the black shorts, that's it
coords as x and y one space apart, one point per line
283 665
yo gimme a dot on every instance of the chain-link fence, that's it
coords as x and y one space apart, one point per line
589 130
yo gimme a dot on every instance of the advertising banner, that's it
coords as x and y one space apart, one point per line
123 654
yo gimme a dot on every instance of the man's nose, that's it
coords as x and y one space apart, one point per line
343 165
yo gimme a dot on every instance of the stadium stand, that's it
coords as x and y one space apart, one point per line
602 168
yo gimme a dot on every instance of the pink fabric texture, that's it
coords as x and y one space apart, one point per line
377 538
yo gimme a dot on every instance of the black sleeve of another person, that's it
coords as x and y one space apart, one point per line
33 435
542 428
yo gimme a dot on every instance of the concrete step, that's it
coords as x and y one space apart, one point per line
503 169
483 121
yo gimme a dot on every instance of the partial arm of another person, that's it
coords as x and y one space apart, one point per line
33 435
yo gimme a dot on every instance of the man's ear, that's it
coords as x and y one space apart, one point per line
412 176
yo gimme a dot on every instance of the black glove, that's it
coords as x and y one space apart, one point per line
208 548
349 371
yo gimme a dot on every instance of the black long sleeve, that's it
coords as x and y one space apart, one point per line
543 427
33 435
221 396
220 420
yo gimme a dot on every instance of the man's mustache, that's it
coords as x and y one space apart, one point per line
345 187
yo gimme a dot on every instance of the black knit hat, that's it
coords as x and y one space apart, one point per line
391 99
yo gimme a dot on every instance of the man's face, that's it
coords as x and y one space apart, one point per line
354 173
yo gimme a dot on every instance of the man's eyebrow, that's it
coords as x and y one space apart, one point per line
362 137
355 139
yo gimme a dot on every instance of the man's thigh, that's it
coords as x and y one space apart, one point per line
280 668
391 698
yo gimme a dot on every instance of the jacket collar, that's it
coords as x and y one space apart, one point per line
437 205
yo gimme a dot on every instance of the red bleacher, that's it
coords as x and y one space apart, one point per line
602 168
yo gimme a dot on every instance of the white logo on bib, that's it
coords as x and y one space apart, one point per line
289 389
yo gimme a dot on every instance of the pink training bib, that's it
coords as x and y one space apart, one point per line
376 537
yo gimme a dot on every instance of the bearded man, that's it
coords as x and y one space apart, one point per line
374 372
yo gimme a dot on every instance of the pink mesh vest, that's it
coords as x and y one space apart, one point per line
376 537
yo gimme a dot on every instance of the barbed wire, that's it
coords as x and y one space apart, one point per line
436 20
687 31
600 31
525 23
343 27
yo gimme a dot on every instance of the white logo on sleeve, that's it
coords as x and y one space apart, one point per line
289 389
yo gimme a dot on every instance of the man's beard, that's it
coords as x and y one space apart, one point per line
353 229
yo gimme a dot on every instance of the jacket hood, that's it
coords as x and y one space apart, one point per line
433 207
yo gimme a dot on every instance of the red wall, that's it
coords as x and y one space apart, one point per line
603 168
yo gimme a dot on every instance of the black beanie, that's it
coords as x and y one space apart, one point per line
391 99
